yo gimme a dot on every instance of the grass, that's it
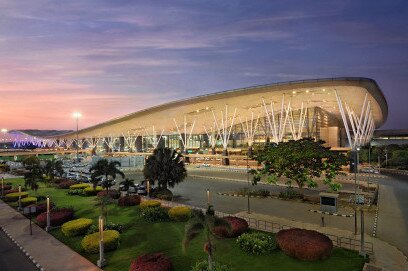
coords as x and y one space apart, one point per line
141 237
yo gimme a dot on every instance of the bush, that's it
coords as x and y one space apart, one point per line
180 213
238 227
163 193
130 200
152 262
41 198
14 196
90 243
75 192
155 214
76 227
57 216
114 194
10 191
149 203
59 180
258 243
90 191
66 184
263 193
304 244
290 193
42 207
203 266
5 187
28 201
79 186
108 226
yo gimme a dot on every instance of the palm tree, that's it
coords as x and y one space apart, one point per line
200 222
166 166
53 167
127 183
105 168
34 174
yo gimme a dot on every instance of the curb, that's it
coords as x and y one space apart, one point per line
31 258
374 234
328 213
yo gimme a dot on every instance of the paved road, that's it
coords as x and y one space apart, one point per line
193 192
11 258
393 212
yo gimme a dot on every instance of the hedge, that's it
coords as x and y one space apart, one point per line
90 191
152 262
150 203
5 187
238 227
57 216
304 244
10 191
79 186
28 201
66 184
130 200
76 227
90 243
14 196
114 194
180 213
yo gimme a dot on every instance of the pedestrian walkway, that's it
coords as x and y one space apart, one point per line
47 251
386 256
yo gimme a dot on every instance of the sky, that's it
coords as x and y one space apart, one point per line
110 58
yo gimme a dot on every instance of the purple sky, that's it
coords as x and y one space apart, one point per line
109 58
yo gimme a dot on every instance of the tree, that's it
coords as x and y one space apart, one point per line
35 173
166 167
127 183
301 161
52 168
105 168
206 223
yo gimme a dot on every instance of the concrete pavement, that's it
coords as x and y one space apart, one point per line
50 253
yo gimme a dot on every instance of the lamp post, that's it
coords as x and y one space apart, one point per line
48 215
77 115
248 205
2 187
356 197
208 197
4 131
19 197
102 261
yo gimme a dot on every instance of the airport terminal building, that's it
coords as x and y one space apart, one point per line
344 112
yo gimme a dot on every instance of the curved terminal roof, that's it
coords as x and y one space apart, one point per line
312 93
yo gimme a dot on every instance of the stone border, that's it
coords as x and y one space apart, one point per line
328 213
374 234
36 264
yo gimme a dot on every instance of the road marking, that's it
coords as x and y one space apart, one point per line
328 213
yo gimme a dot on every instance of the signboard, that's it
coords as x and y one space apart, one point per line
328 202
29 210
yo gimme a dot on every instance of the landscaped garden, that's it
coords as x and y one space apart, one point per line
149 229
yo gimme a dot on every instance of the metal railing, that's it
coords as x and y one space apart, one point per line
273 227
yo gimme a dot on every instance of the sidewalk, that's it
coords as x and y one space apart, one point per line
50 253
386 256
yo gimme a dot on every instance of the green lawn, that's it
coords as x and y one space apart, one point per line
144 237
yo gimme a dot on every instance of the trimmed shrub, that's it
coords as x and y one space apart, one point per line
90 191
57 216
258 243
90 243
79 186
130 200
238 227
114 194
150 203
203 266
75 192
28 201
152 262
76 227
304 244
41 198
108 226
42 207
180 213
14 196
155 214
6 187
59 180
163 193
10 191
66 184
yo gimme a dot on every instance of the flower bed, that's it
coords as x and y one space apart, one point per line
304 244
14 196
129 200
90 191
114 194
57 216
28 201
152 262
150 203
10 191
42 207
238 227
257 243
79 186
76 227
5 187
66 184
90 243
180 213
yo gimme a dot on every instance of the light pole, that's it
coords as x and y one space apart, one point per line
356 150
102 261
77 115
248 205
4 131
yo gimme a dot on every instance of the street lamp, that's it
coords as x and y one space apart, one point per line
77 115
4 131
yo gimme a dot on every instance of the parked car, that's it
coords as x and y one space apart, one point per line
369 170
